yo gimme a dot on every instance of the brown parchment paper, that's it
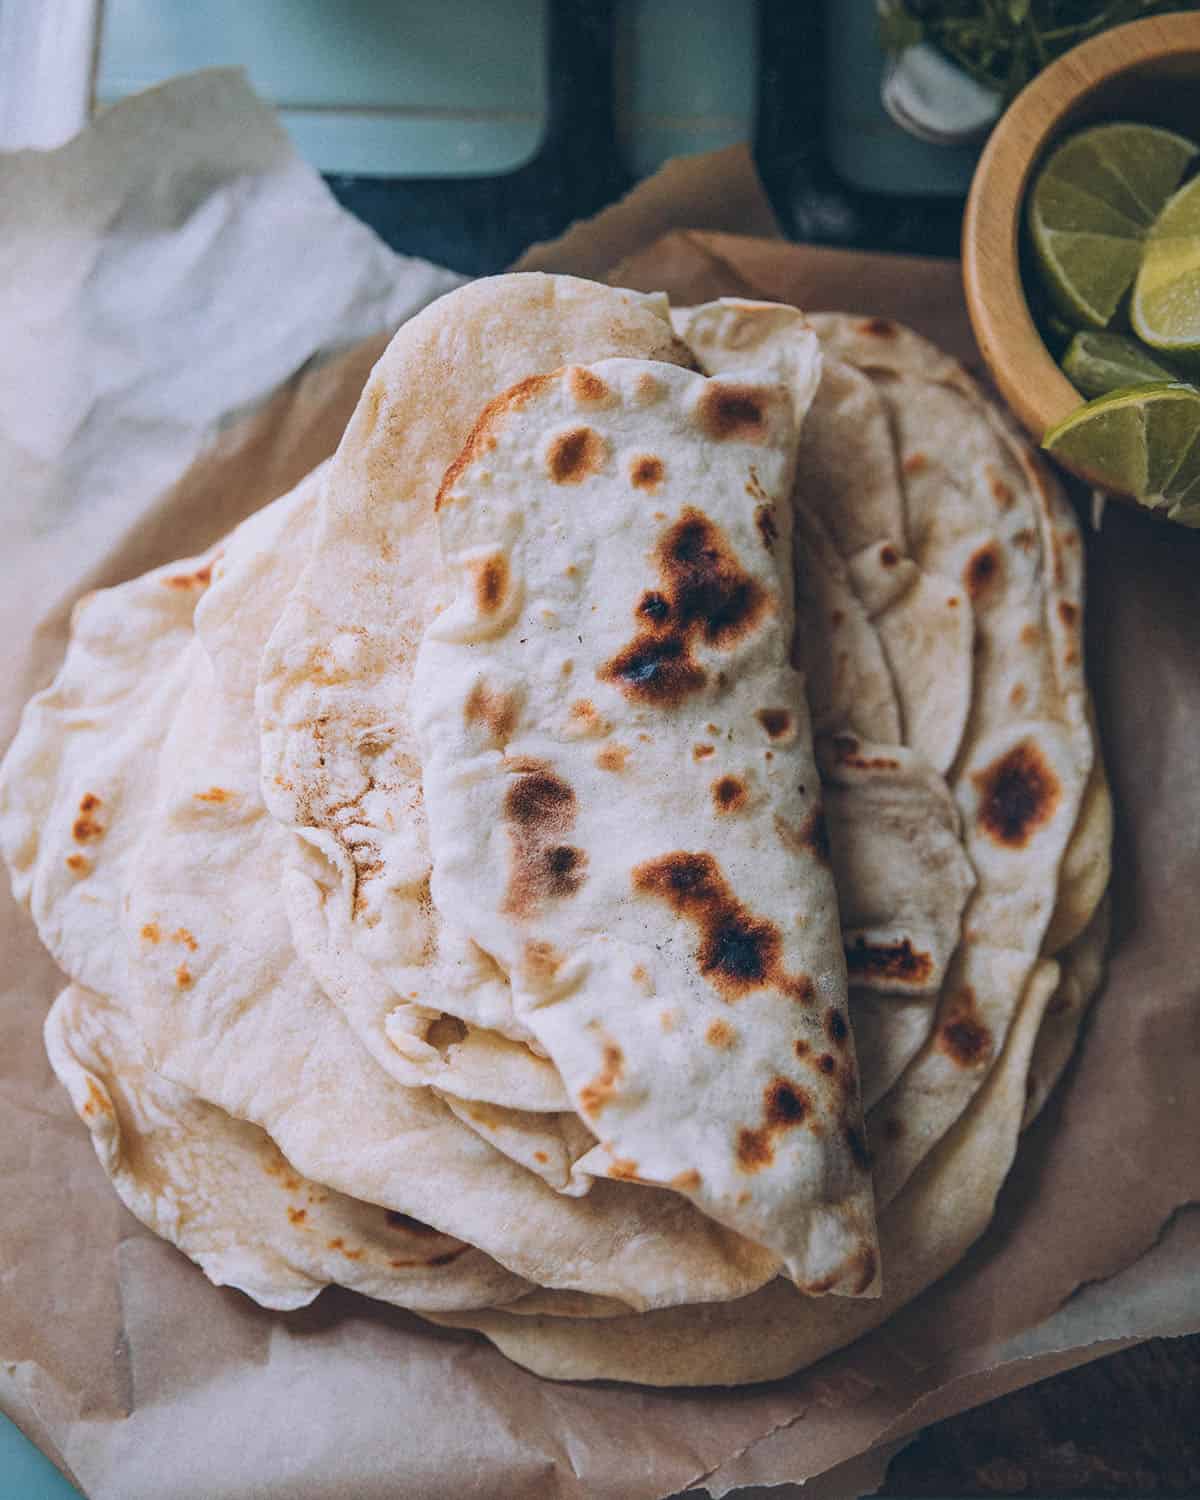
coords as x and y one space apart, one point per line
138 1377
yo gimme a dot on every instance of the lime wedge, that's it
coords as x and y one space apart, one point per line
1090 209
1096 363
1142 441
1166 298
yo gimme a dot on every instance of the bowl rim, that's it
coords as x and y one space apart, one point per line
1020 364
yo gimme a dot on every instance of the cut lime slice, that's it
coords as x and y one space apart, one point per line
1096 363
1166 297
1143 441
1090 209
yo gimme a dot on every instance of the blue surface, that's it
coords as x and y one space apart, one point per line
26 1473
388 87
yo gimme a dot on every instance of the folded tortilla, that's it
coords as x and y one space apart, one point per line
631 832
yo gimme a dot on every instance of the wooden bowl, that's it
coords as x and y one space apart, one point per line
1147 71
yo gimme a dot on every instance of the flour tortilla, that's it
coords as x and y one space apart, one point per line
980 508
72 785
1081 878
962 501
220 1190
903 882
616 845
339 762
238 1020
95 736
925 1231
849 492
1081 966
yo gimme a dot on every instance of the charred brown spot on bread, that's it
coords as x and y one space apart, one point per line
1025 539
848 752
79 864
612 757
654 607
85 826
647 389
596 1094
585 720
878 328
575 455
801 1048
183 977
738 951
491 584
623 1169
656 670
836 1028
888 556
480 438
915 463
705 594
711 593
1067 612
686 1182
151 933
540 1156
495 711
182 935
825 1063
565 867
729 411
729 794
1017 795
776 721
646 472
899 962
785 1106
96 1103
200 579
540 808
768 526
720 1034
702 751
214 794
1030 634
962 1035
982 570
539 799
297 1215
754 1150
1018 694
587 387
1001 492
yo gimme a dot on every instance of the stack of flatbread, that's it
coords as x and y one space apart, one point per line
612 860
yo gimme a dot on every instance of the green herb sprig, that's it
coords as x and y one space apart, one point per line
1002 44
